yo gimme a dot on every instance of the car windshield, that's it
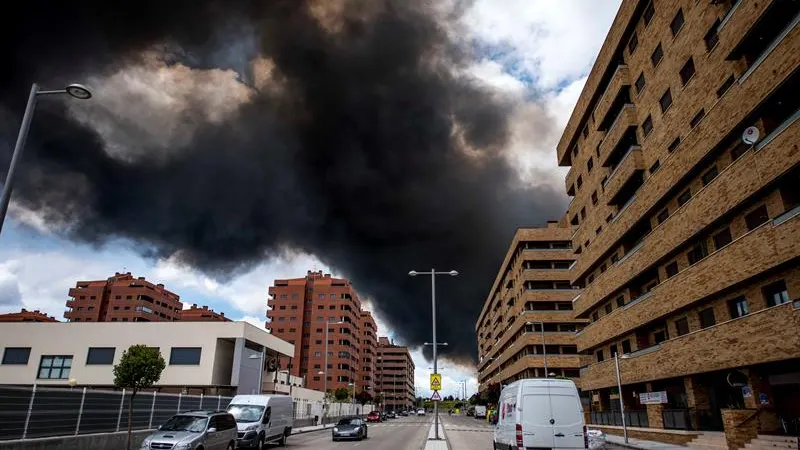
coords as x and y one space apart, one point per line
246 413
349 422
195 424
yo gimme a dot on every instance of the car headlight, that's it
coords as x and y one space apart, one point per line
336 430
146 442
251 428
183 446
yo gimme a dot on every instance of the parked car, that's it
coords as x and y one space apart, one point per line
350 428
210 430
374 416
262 419
540 413
404 413
420 412
391 415
383 416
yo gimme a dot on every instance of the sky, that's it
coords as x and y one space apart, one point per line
542 80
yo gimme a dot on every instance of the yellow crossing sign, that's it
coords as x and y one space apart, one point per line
436 382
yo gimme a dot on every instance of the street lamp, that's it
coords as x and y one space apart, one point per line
260 358
433 274
325 406
78 91
544 346
619 390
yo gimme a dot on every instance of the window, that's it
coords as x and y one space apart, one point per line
294 307
612 350
608 308
657 55
580 181
620 301
633 43
655 167
589 164
16 355
602 266
756 217
697 118
283 296
674 144
281 319
725 86
647 125
665 101
707 318
594 197
280 330
709 175
583 213
295 296
55 367
738 307
626 346
282 307
647 15
671 269
687 71
100 355
663 215
598 230
595 316
684 197
317 354
614 258
184 356
585 131
775 293
640 83
599 355
659 336
333 296
682 326
739 150
711 38
677 23
697 253
722 238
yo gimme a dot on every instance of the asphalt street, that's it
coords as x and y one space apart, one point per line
467 433
403 433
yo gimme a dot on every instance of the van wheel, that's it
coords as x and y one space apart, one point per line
282 440
230 446
260 445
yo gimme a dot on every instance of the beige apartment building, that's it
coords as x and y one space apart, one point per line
683 149
527 322
395 375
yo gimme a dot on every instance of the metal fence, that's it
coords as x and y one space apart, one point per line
677 419
632 418
37 412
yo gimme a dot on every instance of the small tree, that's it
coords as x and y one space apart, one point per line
363 397
377 399
341 394
139 368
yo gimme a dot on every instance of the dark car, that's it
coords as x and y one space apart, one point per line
374 416
391 415
351 428
383 416
404 413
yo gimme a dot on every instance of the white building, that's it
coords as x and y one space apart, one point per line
202 357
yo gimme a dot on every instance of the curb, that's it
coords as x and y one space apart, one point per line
303 431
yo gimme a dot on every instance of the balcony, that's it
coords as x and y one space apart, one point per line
771 244
531 361
548 254
619 81
699 351
555 295
618 133
546 274
626 176
732 186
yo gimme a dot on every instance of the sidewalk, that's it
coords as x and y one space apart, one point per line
302 430
641 444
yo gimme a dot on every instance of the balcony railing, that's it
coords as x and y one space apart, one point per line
614 418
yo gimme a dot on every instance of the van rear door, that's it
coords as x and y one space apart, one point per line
536 428
567 417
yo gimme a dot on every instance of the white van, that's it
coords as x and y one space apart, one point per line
262 419
542 413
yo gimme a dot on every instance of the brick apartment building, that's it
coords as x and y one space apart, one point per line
202 314
122 298
27 316
395 373
527 320
298 310
687 238
369 353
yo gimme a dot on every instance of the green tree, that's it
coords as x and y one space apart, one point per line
378 399
139 368
341 394
363 397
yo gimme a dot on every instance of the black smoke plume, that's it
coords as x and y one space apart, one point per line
371 149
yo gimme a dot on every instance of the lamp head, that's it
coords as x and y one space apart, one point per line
413 273
453 273
79 91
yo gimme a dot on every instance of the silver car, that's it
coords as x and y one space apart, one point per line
209 430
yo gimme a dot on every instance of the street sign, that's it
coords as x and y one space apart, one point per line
436 397
436 382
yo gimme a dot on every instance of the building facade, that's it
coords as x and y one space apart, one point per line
299 310
122 298
369 353
27 316
684 177
527 322
202 314
395 376
219 358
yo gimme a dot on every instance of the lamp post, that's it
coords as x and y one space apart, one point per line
75 90
544 346
260 358
325 372
621 403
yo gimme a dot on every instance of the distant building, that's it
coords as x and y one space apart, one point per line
122 298
202 314
299 309
27 316
369 353
395 375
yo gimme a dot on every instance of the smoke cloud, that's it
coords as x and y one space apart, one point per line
223 132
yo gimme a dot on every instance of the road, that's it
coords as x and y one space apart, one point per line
403 433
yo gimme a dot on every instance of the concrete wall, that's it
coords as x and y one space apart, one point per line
107 441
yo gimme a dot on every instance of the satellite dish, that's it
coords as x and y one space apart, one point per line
272 365
737 379
750 135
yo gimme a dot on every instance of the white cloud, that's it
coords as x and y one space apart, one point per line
452 375
255 321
